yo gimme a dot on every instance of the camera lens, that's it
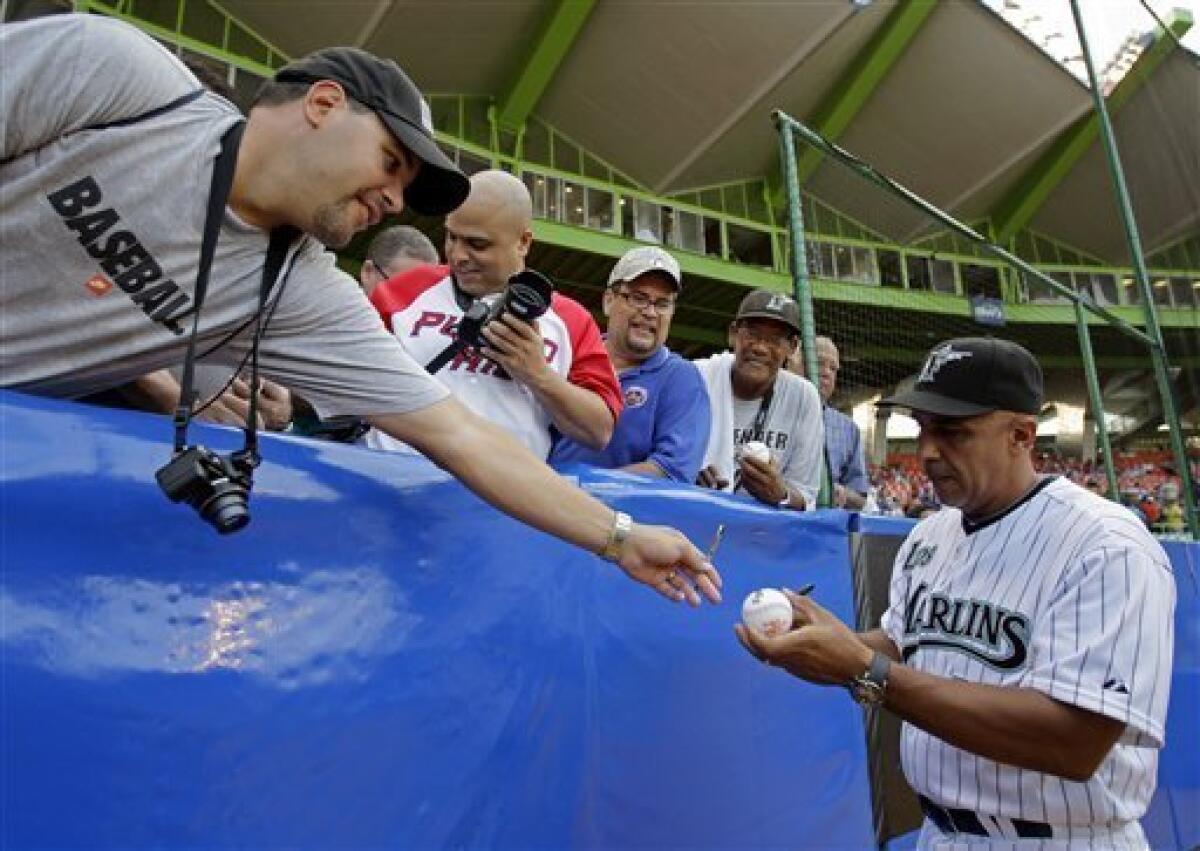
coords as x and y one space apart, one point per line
528 295
226 509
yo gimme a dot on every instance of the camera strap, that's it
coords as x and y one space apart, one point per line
280 241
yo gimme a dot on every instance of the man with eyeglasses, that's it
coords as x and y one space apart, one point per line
663 429
529 377
756 401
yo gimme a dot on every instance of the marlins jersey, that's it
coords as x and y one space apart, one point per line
421 309
1065 593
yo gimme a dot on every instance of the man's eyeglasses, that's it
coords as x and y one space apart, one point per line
641 301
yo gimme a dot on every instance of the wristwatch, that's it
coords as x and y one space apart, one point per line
868 689
621 527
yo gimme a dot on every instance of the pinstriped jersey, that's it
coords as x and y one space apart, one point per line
1066 593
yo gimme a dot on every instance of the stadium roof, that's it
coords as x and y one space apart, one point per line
947 98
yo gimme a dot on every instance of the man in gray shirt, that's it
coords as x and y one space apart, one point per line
108 151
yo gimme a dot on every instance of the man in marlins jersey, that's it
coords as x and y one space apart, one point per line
527 378
1028 641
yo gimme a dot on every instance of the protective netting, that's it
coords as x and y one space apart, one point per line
885 307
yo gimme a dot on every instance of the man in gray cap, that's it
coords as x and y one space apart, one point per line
767 434
1028 641
663 428
111 153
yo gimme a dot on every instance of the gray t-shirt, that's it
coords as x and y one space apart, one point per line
100 236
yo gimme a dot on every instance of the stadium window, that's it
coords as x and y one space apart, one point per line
918 272
536 184
750 246
535 145
600 215
689 232
1182 292
820 259
942 273
1161 288
890 272
1040 293
647 221
572 204
1132 293
1104 288
553 199
712 237
980 280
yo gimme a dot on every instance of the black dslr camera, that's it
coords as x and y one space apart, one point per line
217 487
526 297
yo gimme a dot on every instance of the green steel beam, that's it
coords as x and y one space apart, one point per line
560 32
846 99
177 37
1021 204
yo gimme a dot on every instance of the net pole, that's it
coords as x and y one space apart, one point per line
1158 352
1093 388
801 285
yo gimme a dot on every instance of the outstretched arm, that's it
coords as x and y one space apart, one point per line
1017 726
504 473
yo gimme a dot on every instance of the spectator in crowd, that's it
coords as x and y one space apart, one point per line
100 276
529 377
843 440
755 400
394 250
663 429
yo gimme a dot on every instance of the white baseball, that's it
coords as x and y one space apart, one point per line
757 450
767 611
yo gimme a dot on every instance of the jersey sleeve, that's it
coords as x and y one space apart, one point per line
682 424
1106 641
399 291
591 367
64 73
326 343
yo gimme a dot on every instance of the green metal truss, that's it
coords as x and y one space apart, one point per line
1021 204
847 98
561 29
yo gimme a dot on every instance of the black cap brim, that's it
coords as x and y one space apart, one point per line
762 314
439 187
933 403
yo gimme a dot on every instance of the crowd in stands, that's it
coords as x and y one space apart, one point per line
1147 484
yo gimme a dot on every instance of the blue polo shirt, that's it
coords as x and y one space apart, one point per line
666 420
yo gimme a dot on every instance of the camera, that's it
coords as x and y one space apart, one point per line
526 297
217 487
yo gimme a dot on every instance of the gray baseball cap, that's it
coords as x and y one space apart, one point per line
766 304
646 258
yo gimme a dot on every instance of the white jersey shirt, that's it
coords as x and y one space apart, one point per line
1066 593
419 306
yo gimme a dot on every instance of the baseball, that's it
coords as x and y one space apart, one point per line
757 450
767 611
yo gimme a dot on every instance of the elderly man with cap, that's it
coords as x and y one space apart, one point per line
663 429
1028 642
115 162
767 434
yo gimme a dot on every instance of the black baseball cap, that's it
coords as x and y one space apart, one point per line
766 304
380 85
974 375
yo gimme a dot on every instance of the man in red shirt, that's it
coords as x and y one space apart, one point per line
528 378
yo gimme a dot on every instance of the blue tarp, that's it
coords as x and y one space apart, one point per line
382 659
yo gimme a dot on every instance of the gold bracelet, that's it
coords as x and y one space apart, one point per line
622 525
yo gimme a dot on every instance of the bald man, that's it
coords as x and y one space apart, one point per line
529 379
